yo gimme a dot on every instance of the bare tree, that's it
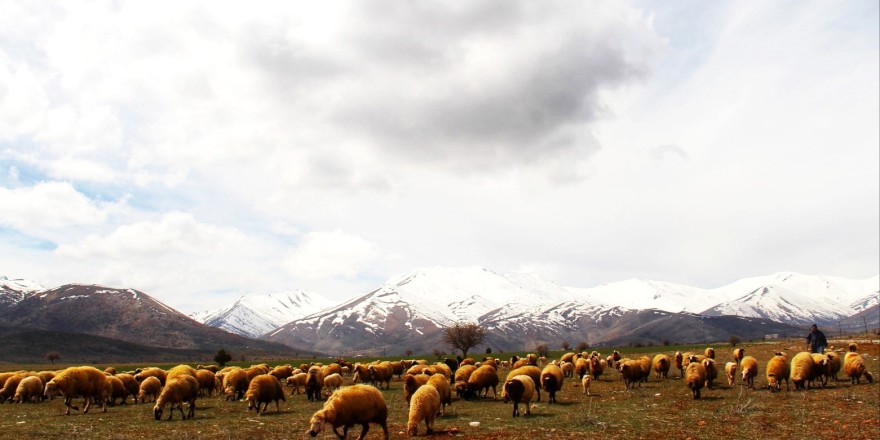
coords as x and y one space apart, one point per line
53 356
464 336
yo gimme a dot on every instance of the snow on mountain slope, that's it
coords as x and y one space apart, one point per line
646 294
13 291
254 315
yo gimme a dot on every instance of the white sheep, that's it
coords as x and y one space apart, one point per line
424 405
30 390
749 369
585 383
263 389
179 389
661 365
332 383
296 381
441 383
730 370
150 388
354 405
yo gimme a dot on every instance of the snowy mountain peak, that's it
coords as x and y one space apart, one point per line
254 315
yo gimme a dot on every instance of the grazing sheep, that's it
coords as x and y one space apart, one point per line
332 383
115 389
835 362
207 380
738 354
709 353
778 369
567 369
730 369
282 372
528 370
854 367
482 379
551 381
446 370
296 381
802 370
256 370
131 385
30 390
333 368
87 382
461 377
695 377
597 367
749 370
567 357
711 372
382 372
441 383
179 389
180 370
314 383
263 389
632 372
235 384
581 367
821 369
411 383
354 405
45 376
212 368
585 383
152 371
661 365
362 373
425 405
11 384
679 363
150 388
520 389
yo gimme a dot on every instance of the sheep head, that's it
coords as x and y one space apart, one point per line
316 424
51 389
157 412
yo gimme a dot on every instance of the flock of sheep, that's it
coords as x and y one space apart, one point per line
427 388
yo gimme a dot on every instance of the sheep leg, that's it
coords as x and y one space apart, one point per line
88 402
366 426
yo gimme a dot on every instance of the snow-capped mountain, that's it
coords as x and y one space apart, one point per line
646 294
13 291
254 315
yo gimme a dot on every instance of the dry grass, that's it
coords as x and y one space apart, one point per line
659 409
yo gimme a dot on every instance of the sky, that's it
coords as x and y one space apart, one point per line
199 151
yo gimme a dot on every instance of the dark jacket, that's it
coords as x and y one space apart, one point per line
816 339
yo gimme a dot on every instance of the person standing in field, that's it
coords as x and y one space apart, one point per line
816 341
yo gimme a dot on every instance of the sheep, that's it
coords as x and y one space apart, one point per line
711 372
131 385
149 388
212 368
333 368
179 389
332 383
382 372
357 404
821 368
738 354
207 380
749 369
282 372
296 381
115 389
362 373
695 377
446 370
235 383
709 353
802 370
597 367
45 376
425 405
30 389
661 365
646 367
314 383
679 363
520 389
853 347
581 367
441 383
778 369
461 377
631 372
528 370
88 382
110 371
854 367
11 384
256 370
412 382
730 370
551 381
585 383
615 356
263 389
151 371
835 362
482 379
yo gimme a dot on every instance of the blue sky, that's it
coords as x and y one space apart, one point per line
199 151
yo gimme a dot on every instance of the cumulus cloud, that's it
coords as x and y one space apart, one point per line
331 254
48 205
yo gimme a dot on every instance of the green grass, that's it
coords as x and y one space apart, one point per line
659 409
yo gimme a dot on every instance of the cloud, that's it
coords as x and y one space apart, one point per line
48 205
331 254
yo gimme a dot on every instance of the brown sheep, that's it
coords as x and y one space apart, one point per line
354 405
212 368
411 383
333 368
180 388
749 370
528 370
821 369
86 382
235 384
150 388
462 374
282 372
382 372
263 389
296 381
551 381
778 369
802 370
711 372
314 383
585 383
520 389
597 367
11 384
482 379
834 359
695 377
730 370
207 381
709 353
443 369
441 383
661 366
115 389
738 354
332 383
632 373
131 385
151 371
29 390
854 367
581 367
567 369
679 363
424 405
853 347
362 373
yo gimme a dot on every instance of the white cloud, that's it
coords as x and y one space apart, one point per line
331 254
48 205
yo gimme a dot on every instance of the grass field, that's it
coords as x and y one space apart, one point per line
658 409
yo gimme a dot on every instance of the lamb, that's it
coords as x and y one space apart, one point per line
802 370
314 383
528 370
149 388
551 381
440 382
263 389
332 382
695 377
207 380
585 383
151 371
88 382
738 354
179 389
711 372
296 381
520 389
235 384
597 367
661 365
483 378
749 368
131 385
778 369
354 405
710 353
854 367
425 405
730 369
30 390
